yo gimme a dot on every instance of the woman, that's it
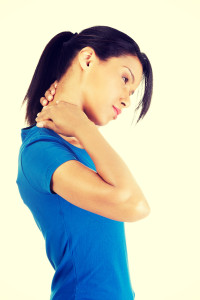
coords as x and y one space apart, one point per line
78 189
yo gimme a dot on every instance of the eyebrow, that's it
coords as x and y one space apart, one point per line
133 78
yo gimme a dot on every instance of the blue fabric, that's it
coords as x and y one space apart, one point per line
87 251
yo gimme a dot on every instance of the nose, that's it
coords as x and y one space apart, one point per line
126 101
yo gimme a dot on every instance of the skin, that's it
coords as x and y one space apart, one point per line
86 94
95 86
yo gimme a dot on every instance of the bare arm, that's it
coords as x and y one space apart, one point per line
112 191
113 171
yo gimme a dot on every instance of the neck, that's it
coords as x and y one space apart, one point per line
68 89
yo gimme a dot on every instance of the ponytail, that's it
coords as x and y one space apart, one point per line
60 51
50 68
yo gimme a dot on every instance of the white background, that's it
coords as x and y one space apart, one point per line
162 151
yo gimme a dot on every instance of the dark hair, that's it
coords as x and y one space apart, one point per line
59 53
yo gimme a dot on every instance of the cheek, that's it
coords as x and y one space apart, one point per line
92 86
95 90
100 93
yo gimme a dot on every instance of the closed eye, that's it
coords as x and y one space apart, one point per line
125 79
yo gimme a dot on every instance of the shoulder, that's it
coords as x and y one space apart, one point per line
34 133
41 153
38 139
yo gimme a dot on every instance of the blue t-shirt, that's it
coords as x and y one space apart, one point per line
87 251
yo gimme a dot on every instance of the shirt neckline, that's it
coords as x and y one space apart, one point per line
63 140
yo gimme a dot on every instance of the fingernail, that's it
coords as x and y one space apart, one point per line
45 102
49 97
39 124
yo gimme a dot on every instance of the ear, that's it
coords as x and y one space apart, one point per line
86 56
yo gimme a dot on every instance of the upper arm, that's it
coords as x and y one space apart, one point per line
84 188
49 166
40 158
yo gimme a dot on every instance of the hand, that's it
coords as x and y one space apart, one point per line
49 95
64 118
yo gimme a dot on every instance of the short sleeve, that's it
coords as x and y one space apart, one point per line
39 160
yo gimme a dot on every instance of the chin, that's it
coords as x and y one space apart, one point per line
99 119
101 122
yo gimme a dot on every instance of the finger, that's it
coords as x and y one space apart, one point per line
43 115
55 84
45 107
46 124
48 95
43 101
52 89
46 111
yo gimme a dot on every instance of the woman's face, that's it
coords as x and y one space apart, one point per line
109 83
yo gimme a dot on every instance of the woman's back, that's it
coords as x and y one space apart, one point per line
87 251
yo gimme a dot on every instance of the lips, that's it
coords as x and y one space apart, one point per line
117 110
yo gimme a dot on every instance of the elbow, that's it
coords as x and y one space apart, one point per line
143 209
131 209
140 210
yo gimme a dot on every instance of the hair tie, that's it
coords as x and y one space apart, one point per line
70 40
75 34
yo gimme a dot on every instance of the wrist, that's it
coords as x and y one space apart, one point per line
84 127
